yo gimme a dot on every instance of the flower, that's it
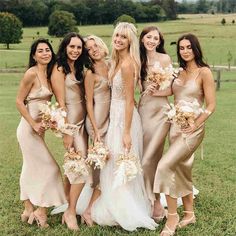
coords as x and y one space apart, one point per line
97 155
53 118
162 77
127 168
184 113
75 165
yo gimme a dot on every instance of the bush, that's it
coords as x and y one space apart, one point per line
124 18
61 23
10 29
223 21
233 21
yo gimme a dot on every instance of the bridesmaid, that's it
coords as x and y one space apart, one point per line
174 171
67 84
40 181
98 98
152 112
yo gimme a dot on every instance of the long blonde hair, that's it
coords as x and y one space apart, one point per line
130 31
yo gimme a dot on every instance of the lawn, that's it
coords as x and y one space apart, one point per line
215 176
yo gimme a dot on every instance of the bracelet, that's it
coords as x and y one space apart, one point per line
207 112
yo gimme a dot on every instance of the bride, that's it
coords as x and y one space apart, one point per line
125 205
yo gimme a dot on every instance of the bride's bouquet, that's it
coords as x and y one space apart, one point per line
97 155
184 113
162 77
75 165
127 168
53 117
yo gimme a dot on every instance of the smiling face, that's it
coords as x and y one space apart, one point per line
185 50
94 51
43 54
120 41
151 40
74 49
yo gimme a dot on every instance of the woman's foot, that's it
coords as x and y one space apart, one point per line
159 213
70 220
26 214
40 218
189 218
171 225
86 218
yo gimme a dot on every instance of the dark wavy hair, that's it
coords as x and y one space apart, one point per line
197 51
33 49
83 60
143 55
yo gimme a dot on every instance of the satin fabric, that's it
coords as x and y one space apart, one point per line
174 171
126 205
155 129
101 108
40 179
76 114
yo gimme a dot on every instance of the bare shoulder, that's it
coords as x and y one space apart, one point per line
164 59
206 73
29 76
128 66
89 75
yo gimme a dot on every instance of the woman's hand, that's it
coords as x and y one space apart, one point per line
190 129
151 88
97 137
38 128
127 142
68 141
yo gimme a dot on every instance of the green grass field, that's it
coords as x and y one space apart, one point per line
215 176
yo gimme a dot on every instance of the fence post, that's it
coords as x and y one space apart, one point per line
218 79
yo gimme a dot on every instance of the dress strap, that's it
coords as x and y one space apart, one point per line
38 79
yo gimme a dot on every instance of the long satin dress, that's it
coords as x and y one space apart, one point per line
155 129
40 179
174 171
76 114
101 108
126 205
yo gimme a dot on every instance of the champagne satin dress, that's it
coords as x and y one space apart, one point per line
174 171
101 108
76 114
40 179
155 129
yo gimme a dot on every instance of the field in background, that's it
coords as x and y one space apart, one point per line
217 40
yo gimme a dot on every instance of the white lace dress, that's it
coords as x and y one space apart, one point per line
126 205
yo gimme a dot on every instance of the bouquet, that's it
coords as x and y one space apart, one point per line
53 118
75 165
127 168
184 113
97 155
162 77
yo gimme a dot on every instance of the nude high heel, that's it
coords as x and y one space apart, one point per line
41 220
167 230
87 221
160 218
192 220
70 221
25 215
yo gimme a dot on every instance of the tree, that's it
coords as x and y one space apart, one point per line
223 21
61 23
125 18
10 29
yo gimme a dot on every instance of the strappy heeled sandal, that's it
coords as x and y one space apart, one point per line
192 220
87 221
70 221
167 230
41 220
25 215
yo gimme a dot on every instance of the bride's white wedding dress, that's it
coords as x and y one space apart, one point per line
126 205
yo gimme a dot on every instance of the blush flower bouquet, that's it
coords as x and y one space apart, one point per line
75 165
53 117
184 113
127 168
97 155
162 77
